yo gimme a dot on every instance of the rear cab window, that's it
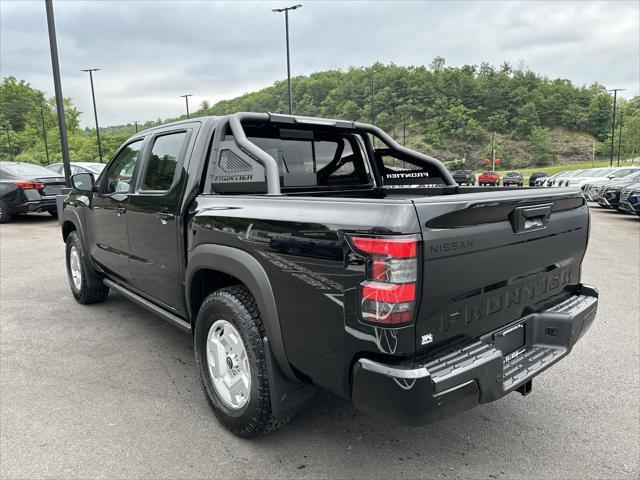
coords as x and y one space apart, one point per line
306 159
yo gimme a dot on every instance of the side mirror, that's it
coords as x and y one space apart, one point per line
610 177
84 182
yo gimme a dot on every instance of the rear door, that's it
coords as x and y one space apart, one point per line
154 222
490 258
106 216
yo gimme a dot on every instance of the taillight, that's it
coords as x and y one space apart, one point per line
388 295
24 185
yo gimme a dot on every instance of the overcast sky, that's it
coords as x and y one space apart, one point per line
150 52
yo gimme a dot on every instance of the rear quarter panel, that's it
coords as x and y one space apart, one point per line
313 273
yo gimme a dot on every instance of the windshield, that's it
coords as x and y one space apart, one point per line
599 172
574 173
27 170
631 176
625 173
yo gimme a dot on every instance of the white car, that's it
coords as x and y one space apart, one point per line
593 188
563 180
601 174
79 167
549 181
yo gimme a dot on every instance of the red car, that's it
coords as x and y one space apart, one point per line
489 178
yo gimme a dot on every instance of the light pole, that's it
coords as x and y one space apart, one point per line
286 26
186 101
44 134
619 137
6 128
613 122
55 66
373 101
404 124
95 112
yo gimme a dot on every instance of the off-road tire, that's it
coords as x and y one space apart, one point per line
91 289
5 214
237 306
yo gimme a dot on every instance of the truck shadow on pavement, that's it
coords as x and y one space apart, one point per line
330 427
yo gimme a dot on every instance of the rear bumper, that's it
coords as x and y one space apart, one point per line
43 205
465 377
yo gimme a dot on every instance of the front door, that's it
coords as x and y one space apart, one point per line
106 216
153 217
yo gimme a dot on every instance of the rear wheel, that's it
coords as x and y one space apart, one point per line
231 361
5 214
54 212
85 285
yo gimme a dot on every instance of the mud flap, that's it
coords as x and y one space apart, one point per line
287 397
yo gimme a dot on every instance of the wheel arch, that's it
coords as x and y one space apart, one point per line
222 266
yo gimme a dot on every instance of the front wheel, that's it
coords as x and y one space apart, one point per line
86 287
231 361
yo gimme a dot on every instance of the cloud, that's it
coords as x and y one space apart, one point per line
152 52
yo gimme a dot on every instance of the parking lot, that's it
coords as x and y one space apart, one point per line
110 391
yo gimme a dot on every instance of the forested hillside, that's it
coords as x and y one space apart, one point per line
449 112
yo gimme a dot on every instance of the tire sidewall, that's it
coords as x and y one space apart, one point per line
74 241
224 306
6 215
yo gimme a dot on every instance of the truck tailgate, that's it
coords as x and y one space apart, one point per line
492 257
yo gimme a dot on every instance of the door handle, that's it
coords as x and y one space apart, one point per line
120 211
165 217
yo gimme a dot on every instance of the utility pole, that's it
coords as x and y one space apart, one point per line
286 27
593 155
186 101
373 100
404 124
6 128
62 126
44 134
493 152
619 137
613 121
136 123
95 112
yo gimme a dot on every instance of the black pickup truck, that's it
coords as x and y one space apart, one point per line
306 253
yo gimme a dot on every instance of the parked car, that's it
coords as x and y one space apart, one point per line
594 188
513 178
600 174
466 177
610 196
489 178
549 181
78 167
563 180
630 199
25 188
408 323
535 179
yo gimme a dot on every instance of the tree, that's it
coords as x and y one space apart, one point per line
525 121
541 146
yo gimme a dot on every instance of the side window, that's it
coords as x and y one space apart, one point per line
119 174
161 167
